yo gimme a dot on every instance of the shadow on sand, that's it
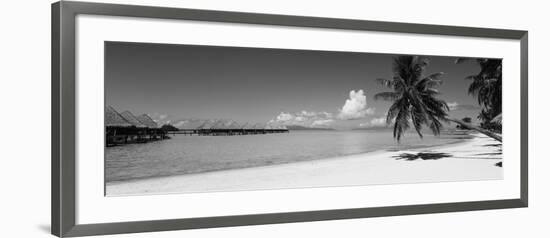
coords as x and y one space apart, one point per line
493 145
495 153
422 155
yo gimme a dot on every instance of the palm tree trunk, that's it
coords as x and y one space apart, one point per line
475 128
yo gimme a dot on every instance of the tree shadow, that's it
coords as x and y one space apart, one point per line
422 155
494 145
495 153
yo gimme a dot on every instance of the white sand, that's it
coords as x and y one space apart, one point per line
471 160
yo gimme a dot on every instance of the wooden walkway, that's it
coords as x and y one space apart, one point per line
119 135
227 132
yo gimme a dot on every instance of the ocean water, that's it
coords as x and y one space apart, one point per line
184 154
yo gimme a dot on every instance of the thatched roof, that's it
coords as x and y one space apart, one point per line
128 116
146 120
222 124
259 126
190 124
276 126
209 124
248 126
227 124
114 119
235 125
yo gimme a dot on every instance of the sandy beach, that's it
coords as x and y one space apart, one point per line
473 159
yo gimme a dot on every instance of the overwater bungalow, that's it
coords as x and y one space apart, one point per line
276 128
225 127
141 129
153 130
190 127
216 127
206 127
247 128
122 128
259 128
235 128
117 128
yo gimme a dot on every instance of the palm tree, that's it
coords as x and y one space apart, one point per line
487 87
414 99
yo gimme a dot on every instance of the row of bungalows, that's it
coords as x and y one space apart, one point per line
226 127
190 127
125 127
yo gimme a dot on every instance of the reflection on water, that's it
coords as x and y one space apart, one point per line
193 154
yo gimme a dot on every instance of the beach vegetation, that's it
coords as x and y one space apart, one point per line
486 86
415 101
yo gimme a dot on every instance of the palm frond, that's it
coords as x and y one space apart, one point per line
431 81
436 76
414 97
486 86
386 82
387 96
418 118
401 124
435 126
471 77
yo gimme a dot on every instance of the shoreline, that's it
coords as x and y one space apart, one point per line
455 161
406 147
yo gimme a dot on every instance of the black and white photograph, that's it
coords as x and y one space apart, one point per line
202 118
275 119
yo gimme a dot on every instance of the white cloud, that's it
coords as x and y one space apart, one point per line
306 113
285 117
375 122
381 121
304 118
179 123
322 122
161 119
355 107
327 114
452 106
300 118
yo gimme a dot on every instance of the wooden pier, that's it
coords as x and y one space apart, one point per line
227 128
125 128
226 132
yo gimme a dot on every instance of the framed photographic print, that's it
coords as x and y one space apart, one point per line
167 119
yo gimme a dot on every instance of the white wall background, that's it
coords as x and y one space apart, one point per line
25 103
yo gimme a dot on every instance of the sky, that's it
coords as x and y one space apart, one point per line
258 85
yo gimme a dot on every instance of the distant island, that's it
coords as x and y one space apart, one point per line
303 128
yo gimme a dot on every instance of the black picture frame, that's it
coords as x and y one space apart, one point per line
63 118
